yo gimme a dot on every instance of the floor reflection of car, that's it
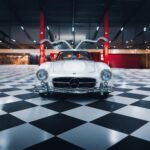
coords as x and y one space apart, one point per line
74 71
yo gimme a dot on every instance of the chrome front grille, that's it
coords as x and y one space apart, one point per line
69 82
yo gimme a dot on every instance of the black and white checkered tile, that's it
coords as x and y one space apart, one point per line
27 121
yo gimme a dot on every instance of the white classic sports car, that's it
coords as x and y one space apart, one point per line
74 71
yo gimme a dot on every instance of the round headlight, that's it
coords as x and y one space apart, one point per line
42 75
106 75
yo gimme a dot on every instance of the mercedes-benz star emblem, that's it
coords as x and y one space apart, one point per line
74 83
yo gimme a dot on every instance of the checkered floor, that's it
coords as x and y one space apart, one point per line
27 121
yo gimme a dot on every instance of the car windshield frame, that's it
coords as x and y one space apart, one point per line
74 55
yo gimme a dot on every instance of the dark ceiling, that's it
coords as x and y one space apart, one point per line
84 15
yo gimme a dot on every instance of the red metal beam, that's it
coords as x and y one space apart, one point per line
106 44
42 50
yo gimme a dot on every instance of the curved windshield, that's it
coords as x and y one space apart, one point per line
71 55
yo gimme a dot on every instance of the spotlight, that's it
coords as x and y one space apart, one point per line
72 29
13 40
145 29
122 29
22 28
145 42
34 41
48 28
97 28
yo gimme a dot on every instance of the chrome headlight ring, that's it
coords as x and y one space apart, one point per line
106 75
42 75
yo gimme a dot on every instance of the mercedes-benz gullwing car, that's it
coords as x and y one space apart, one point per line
74 71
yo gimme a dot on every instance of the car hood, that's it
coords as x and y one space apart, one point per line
74 66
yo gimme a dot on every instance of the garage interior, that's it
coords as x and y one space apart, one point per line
75 122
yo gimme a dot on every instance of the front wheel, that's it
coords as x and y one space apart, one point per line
101 96
43 94
104 95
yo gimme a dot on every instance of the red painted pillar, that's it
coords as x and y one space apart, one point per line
106 44
42 50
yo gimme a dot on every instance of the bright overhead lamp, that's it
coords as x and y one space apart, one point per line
127 42
109 41
97 28
145 42
34 41
145 29
22 28
13 40
122 29
73 29
48 28
0 41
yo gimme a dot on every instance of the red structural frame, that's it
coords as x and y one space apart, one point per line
42 50
106 44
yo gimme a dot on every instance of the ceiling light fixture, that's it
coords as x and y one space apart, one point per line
48 28
145 29
34 41
13 40
122 29
145 42
0 41
72 29
22 28
97 28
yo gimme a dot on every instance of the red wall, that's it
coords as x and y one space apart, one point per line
122 60
125 60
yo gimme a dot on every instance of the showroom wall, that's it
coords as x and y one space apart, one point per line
118 58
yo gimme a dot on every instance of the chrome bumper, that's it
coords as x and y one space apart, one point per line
44 88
